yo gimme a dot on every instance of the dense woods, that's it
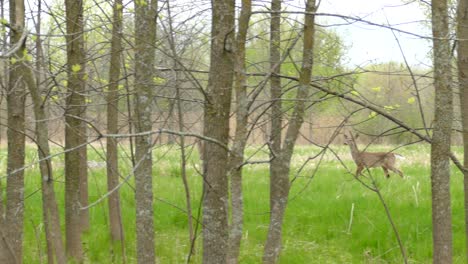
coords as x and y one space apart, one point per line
162 131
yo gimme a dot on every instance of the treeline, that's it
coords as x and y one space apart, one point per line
143 73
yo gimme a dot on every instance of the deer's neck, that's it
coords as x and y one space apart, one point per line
354 151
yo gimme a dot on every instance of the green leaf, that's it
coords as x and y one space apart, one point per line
377 89
76 68
141 3
159 80
411 100
355 93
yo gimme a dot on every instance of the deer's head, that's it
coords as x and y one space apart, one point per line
351 140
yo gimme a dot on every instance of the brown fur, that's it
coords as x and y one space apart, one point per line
386 160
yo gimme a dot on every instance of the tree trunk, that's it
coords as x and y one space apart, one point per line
115 215
462 52
145 40
236 157
75 162
440 147
14 214
180 114
51 215
280 165
216 126
271 252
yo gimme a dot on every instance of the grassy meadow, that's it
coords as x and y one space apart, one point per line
317 227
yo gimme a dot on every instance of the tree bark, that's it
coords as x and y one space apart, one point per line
216 126
115 215
280 165
75 134
16 95
145 39
462 52
440 147
180 115
272 251
236 157
56 252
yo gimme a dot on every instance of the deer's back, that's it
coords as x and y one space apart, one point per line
376 159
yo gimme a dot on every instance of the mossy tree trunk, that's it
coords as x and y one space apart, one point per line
115 215
236 157
282 151
16 95
440 147
75 132
145 41
216 126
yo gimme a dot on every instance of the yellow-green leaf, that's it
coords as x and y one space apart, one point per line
76 68
159 80
141 2
377 89
372 114
411 100
28 57
389 107
355 93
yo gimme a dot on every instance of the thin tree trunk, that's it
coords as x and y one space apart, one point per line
5 254
216 126
54 239
280 165
51 217
15 133
180 113
462 52
440 147
145 39
276 179
183 167
36 87
5 79
236 157
115 215
75 165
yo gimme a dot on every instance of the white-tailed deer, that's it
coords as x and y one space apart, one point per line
386 160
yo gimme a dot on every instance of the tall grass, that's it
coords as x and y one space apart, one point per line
317 227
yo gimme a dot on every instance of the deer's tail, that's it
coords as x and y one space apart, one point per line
400 157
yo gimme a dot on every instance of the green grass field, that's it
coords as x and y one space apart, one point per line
317 227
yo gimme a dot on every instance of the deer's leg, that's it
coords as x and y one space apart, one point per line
359 170
397 171
386 172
